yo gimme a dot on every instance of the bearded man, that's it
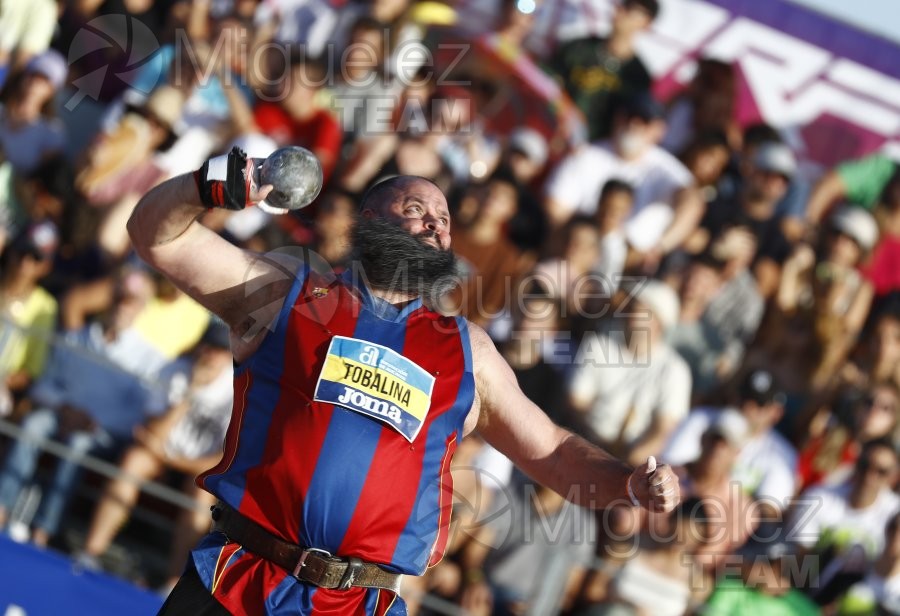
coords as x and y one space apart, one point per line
350 396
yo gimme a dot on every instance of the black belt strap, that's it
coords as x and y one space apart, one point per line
311 565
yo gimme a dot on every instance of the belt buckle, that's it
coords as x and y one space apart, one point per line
303 556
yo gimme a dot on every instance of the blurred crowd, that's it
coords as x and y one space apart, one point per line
663 280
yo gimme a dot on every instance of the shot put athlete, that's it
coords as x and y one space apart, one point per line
350 396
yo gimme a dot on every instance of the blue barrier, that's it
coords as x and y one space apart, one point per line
43 583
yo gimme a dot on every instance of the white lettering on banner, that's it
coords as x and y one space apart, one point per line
792 81
780 65
677 33
822 97
864 80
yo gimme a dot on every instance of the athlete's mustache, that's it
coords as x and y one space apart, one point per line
395 260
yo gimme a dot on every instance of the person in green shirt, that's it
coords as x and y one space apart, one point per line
861 181
598 72
764 585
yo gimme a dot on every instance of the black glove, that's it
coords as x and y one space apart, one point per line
226 181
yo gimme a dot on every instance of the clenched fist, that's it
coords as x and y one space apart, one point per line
655 487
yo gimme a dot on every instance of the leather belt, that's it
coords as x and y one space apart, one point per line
310 565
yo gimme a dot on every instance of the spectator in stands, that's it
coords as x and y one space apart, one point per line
29 132
187 437
666 207
493 264
766 463
707 104
364 94
764 585
845 524
293 115
27 311
830 290
660 578
883 269
570 278
26 28
598 71
120 161
710 477
123 164
861 181
829 455
720 312
206 120
92 395
533 351
506 576
631 395
414 153
879 591
880 359
169 320
614 208
526 155
706 156
755 208
334 221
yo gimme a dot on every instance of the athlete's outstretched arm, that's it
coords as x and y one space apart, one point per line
551 455
165 231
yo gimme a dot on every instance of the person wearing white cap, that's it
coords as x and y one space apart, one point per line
754 209
29 135
830 285
127 161
632 395
527 153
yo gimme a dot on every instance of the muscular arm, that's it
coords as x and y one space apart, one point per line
551 455
166 233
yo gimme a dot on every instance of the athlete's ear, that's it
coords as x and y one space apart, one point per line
369 213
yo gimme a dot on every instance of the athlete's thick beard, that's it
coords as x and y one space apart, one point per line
394 260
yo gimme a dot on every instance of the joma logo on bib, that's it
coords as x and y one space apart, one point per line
353 398
377 382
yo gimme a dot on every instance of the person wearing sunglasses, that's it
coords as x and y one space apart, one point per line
844 524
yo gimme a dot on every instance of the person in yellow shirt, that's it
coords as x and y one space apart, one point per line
27 311
172 321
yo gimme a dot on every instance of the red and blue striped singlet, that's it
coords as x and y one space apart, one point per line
344 423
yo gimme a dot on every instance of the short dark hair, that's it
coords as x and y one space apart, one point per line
756 134
881 442
651 6
708 259
616 186
366 22
375 196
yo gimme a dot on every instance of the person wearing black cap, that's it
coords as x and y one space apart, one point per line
596 71
193 409
765 466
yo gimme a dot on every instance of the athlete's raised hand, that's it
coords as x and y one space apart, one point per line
655 487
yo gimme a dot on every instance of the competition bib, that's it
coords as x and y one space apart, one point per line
376 381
